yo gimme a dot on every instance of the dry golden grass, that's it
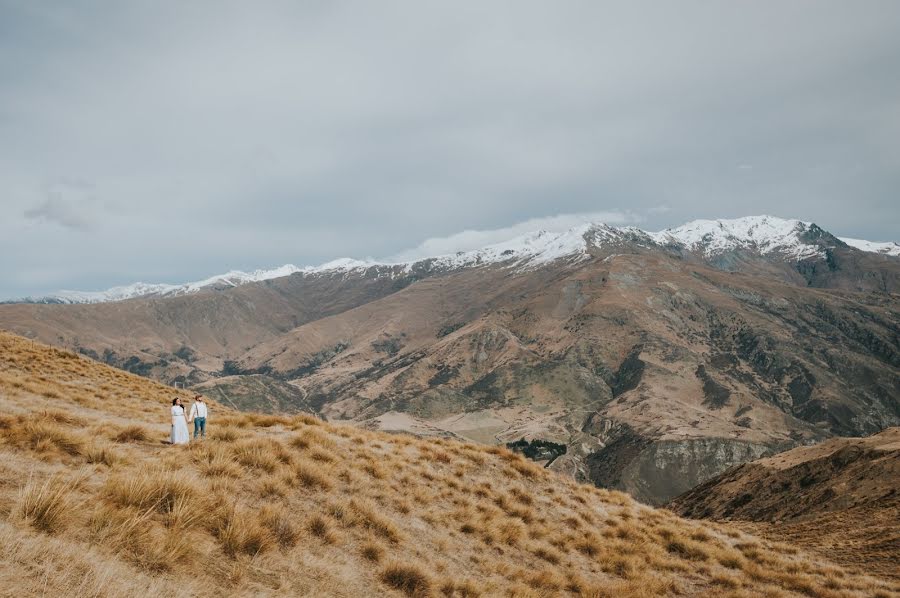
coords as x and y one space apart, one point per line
240 531
94 503
47 505
101 453
409 579
132 433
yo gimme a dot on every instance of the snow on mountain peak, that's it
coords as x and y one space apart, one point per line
889 248
766 235
530 250
141 289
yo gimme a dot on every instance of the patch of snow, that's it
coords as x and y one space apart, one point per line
889 248
138 289
141 289
528 251
763 234
343 264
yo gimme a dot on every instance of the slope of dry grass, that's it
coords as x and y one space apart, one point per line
840 498
94 503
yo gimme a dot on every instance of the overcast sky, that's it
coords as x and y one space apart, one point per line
168 141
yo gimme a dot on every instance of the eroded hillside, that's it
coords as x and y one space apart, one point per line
840 497
95 503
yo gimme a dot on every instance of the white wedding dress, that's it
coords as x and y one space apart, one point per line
179 426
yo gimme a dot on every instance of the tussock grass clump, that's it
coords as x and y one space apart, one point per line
43 436
620 565
273 486
589 545
322 528
132 433
323 456
358 513
372 552
460 589
225 434
545 580
547 553
136 536
101 454
256 454
218 463
366 515
678 542
439 456
158 489
186 513
120 529
61 417
312 437
311 475
267 421
280 525
304 419
375 470
407 578
239 531
731 561
236 420
168 549
47 505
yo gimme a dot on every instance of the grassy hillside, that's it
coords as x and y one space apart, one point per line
840 498
94 503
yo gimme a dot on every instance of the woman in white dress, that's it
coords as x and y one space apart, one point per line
179 423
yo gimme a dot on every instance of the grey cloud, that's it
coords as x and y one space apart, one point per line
67 204
226 134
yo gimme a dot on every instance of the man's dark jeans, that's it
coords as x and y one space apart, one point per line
200 426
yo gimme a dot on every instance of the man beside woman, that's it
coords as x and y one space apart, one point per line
198 414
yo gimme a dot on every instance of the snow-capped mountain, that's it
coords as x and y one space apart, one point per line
786 239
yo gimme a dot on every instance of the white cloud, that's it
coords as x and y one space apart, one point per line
468 240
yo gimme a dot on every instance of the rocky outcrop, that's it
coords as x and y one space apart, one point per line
655 471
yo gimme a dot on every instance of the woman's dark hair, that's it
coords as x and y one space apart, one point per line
175 400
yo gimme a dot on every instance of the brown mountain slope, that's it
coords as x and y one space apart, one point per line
94 504
840 498
190 337
656 367
657 374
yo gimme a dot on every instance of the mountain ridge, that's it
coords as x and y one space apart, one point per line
791 239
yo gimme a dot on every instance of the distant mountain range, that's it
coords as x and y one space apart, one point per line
767 235
656 359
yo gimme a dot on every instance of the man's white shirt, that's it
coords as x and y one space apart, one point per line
198 410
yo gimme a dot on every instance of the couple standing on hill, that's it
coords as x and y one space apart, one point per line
197 415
